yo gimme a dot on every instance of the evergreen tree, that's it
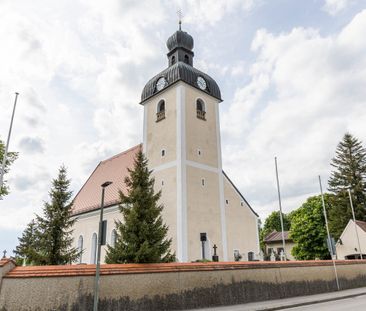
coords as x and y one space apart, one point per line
54 237
141 237
12 156
308 230
28 244
349 173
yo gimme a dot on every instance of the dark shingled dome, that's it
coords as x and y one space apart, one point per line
180 46
180 39
184 72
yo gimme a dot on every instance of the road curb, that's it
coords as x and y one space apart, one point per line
306 303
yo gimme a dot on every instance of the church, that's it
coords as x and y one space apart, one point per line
181 140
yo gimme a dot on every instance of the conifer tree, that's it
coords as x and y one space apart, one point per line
12 156
55 226
349 173
28 244
141 236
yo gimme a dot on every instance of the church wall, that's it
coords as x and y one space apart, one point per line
203 212
161 135
172 286
201 134
241 225
169 200
87 224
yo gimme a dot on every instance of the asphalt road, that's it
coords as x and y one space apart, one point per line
344 300
349 304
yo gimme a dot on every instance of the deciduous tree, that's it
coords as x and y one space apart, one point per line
12 156
308 230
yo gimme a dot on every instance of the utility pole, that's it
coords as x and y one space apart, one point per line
2 171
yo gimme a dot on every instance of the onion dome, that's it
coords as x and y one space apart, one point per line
180 68
180 39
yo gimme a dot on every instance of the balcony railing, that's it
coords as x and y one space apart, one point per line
160 116
201 114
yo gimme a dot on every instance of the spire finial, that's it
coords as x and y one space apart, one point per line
180 16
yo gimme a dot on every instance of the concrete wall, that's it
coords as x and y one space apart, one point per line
171 286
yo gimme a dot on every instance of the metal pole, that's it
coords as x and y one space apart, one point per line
354 220
2 171
97 271
329 239
279 202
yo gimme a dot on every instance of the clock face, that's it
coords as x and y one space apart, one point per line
201 83
161 83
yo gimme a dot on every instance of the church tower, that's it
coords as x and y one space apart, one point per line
181 139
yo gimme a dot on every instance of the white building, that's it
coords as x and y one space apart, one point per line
347 245
181 139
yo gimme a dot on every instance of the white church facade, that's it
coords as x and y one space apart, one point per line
181 139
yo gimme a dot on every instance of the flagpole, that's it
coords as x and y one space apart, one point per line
280 205
2 171
329 239
354 220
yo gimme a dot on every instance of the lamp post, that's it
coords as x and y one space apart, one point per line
2 171
97 271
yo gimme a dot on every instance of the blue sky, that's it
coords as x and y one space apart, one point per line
292 76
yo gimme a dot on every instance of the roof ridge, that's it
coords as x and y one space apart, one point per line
121 153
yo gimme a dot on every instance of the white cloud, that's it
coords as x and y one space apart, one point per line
306 91
333 7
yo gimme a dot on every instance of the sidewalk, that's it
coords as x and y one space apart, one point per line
271 305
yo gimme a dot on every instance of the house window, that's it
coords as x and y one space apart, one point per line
200 109
202 181
199 152
93 257
162 182
242 203
80 248
163 152
173 60
227 202
160 111
113 237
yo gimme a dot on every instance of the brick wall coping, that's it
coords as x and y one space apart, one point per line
4 261
113 269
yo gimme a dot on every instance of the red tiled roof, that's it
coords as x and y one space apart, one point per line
89 270
113 169
275 236
361 224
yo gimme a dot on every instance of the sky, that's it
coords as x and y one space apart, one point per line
292 75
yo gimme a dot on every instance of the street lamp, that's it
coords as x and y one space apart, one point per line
97 272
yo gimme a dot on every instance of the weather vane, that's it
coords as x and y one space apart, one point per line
180 16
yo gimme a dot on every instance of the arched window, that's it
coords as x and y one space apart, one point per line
186 59
173 60
200 108
160 114
80 248
113 237
93 257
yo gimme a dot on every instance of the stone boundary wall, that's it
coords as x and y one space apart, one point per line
175 286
